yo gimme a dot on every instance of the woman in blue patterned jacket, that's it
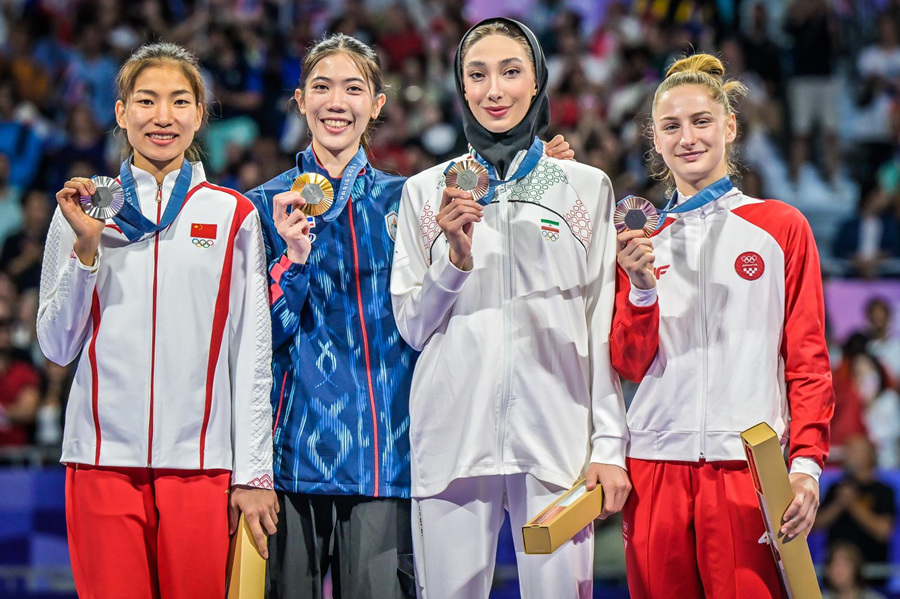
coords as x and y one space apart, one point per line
342 373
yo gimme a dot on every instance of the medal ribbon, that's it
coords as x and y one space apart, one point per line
131 220
711 192
348 180
532 157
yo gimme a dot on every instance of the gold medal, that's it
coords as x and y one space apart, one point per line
316 191
106 201
470 176
634 213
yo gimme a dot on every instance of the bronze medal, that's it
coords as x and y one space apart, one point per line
470 176
633 214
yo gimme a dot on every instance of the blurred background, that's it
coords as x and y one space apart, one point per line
819 130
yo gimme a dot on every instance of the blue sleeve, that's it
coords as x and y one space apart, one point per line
288 282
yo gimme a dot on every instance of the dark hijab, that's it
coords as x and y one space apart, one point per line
499 149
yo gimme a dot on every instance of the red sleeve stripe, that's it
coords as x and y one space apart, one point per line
276 272
92 358
220 314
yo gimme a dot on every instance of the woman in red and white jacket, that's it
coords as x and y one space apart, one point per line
166 303
739 341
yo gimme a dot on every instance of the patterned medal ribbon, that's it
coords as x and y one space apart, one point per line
132 221
711 192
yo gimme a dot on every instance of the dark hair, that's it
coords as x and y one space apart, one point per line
856 562
163 54
363 56
878 302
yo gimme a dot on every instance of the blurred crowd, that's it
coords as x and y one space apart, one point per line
819 129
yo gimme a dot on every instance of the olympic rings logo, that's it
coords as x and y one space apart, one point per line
202 243
749 258
550 235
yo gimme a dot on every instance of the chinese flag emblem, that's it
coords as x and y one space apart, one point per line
203 231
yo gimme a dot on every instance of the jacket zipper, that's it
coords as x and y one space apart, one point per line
506 299
153 324
704 341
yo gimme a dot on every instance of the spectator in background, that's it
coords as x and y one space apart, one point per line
870 236
879 68
883 341
762 54
49 417
18 141
22 251
19 388
91 75
812 93
10 205
848 421
844 574
859 509
84 142
881 408
238 89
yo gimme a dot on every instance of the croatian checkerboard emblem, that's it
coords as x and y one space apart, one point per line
749 266
390 222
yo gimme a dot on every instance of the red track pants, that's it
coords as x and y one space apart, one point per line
142 533
692 529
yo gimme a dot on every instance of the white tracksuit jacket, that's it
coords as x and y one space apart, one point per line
740 339
174 334
514 374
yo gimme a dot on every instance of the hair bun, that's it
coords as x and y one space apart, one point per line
698 63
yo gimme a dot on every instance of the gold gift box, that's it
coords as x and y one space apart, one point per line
562 519
773 489
246 578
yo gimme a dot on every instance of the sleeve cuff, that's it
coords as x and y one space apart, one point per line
609 450
806 466
642 298
447 275
263 481
92 268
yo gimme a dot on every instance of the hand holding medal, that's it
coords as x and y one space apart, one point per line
293 223
86 228
467 182
635 219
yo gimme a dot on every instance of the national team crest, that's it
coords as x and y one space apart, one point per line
390 222
203 235
549 229
749 266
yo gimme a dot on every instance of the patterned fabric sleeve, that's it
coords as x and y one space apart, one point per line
67 288
288 282
251 360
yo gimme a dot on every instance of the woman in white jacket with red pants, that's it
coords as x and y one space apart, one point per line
166 305
740 341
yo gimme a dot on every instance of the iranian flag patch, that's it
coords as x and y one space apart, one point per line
549 229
